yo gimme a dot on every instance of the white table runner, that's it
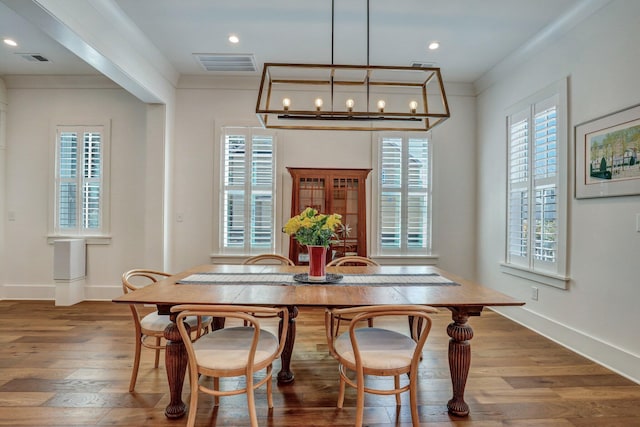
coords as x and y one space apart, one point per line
348 279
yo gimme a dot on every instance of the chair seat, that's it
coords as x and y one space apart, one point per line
229 348
379 348
158 322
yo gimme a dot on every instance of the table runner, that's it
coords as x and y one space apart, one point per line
348 279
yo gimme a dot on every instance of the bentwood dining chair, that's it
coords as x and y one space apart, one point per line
269 258
352 260
231 352
378 352
149 328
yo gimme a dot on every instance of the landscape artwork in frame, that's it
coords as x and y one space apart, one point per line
608 155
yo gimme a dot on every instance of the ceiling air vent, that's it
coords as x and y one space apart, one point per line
226 62
422 64
33 57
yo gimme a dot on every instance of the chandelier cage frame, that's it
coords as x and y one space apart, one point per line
351 97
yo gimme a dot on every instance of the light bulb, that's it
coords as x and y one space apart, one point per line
350 103
10 42
413 106
318 103
286 103
381 105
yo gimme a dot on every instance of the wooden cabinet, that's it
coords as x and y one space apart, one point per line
340 191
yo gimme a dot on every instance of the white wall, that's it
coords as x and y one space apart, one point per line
3 166
33 111
597 315
141 235
205 105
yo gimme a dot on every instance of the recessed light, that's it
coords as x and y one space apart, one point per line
234 39
10 42
434 45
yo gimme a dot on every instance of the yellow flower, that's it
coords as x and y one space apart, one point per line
311 228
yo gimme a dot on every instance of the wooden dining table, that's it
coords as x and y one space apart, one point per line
273 285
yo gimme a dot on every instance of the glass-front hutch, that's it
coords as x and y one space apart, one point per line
340 191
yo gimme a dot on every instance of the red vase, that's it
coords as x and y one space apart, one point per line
317 258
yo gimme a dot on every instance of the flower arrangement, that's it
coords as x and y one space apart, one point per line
312 228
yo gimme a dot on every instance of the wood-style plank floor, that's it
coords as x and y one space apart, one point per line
70 366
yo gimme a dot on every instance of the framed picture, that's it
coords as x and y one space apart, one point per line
608 155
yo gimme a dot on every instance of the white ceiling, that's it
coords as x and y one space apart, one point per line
474 35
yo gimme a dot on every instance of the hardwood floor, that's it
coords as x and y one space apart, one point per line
70 366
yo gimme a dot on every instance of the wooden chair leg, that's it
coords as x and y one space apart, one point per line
360 399
157 361
193 401
136 364
251 403
216 386
341 392
396 383
269 388
413 402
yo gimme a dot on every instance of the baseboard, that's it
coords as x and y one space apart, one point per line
29 292
102 293
611 357
46 292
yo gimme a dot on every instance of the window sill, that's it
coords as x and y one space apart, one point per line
90 240
549 279
406 259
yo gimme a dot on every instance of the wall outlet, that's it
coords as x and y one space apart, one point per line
534 293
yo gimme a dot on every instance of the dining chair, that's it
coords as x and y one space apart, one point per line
259 259
352 260
231 352
266 259
149 328
378 352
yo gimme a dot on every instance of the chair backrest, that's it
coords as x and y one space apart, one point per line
245 313
352 260
268 259
135 279
421 324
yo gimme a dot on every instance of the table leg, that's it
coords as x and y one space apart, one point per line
285 375
459 359
176 363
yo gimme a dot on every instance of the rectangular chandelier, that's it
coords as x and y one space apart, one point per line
351 97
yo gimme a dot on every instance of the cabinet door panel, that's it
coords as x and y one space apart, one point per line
340 191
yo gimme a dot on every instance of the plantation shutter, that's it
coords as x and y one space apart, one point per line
248 193
391 194
79 180
261 192
545 182
518 214
234 189
532 228
404 195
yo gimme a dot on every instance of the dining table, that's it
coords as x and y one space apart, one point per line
344 286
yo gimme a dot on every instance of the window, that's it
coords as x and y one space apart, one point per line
403 195
248 208
536 205
81 184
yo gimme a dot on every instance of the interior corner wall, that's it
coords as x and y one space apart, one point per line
3 166
597 315
36 106
204 106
